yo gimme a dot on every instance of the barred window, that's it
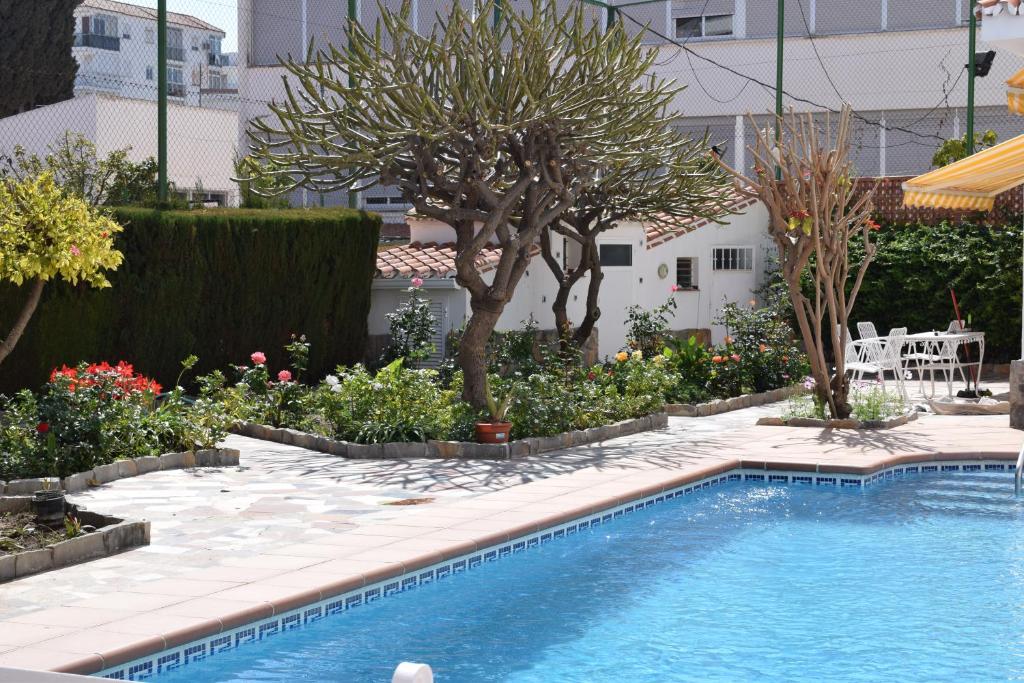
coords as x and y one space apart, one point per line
686 273
733 258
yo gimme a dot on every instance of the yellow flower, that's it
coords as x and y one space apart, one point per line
659 359
622 356
638 355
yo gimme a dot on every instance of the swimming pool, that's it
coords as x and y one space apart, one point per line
921 579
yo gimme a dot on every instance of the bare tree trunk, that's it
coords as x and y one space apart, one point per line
593 312
473 350
22 322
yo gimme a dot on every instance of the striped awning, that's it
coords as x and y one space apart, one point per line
971 183
1015 93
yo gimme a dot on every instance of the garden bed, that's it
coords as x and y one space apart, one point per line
101 536
452 449
849 423
719 406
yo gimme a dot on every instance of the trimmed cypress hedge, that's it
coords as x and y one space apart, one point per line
218 283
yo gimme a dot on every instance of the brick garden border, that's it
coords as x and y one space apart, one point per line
452 449
719 406
112 536
120 469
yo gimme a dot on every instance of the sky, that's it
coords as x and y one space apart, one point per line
220 13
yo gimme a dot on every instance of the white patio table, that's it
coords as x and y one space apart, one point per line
930 351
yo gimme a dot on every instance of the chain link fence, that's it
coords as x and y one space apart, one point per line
900 65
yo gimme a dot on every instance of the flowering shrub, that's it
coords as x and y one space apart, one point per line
97 413
648 331
411 328
255 398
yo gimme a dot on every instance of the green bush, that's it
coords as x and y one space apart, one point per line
216 283
915 265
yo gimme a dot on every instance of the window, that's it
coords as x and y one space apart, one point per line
99 31
733 258
175 45
217 82
686 273
150 36
712 26
195 43
149 73
175 81
616 254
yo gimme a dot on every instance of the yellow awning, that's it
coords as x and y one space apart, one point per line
1015 93
970 183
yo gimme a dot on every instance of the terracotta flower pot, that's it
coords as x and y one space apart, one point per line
493 432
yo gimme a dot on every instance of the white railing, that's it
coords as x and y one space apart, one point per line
1018 472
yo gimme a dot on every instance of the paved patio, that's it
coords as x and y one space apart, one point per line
289 524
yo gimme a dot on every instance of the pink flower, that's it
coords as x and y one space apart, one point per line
284 376
676 288
735 357
417 282
75 251
258 358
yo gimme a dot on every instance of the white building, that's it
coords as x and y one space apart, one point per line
115 45
899 63
712 264
112 122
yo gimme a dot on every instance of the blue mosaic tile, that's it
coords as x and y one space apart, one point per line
221 644
797 479
411 582
312 614
828 481
972 468
140 672
195 653
995 468
295 621
778 479
246 635
353 601
754 477
371 595
929 468
951 468
116 675
269 629
330 608
459 566
849 482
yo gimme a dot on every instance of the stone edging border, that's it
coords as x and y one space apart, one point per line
719 406
452 449
121 469
300 607
849 423
112 536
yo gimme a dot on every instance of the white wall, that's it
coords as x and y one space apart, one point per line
201 142
695 309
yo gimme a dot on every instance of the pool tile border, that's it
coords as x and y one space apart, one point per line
299 611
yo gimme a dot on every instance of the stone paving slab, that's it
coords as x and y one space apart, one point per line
289 525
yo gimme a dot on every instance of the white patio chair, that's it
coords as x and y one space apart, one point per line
867 331
881 355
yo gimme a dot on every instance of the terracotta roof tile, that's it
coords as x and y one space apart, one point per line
430 260
659 233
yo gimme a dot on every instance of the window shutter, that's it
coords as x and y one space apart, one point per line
437 337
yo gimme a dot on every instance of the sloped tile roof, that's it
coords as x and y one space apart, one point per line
659 233
430 260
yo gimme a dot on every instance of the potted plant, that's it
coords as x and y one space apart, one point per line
497 430
48 504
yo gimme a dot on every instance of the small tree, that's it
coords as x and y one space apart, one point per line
47 234
806 184
955 149
675 180
492 129
412 329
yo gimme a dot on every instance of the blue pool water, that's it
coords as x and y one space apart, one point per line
921 579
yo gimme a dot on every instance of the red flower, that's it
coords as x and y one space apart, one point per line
591 376
43 427
872 225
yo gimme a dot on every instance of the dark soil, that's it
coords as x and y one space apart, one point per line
410 501
19 532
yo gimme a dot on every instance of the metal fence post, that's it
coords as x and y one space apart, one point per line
973 23
780 33
161 106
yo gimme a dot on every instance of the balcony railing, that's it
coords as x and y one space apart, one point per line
175 54
98 41
217 60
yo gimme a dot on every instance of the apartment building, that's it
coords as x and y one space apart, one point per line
899 63
115 45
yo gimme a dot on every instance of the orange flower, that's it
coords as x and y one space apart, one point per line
728 340
717 359
622 356
762 348
785 359
872 225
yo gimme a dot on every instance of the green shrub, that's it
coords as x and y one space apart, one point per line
915 265
216 283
